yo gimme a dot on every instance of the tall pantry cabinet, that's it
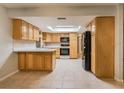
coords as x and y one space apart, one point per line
102 46
73 45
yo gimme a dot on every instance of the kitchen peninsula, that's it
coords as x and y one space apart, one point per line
42 59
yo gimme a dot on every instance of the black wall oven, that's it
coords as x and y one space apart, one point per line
64 39
64 44
64 51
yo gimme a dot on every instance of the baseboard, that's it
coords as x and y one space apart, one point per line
10 74
120 80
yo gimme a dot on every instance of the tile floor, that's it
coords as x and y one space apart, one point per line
67 74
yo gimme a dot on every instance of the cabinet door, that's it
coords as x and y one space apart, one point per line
44 36
21 60
105 36
38 61
24 30
48 37
53 60
93 52
36 34
58 53
55 37
29 61
73 45
31 36
48 61
17 29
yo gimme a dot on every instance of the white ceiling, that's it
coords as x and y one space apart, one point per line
36 5
43 22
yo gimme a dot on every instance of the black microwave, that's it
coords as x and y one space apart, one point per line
64 39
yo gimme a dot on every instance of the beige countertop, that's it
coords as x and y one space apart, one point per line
33 50
52 47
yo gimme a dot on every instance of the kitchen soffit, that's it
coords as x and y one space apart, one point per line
45 5
72 23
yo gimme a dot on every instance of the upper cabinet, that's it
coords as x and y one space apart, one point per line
51 37
55 37
24 31
44 36
20 29
31 31
36 33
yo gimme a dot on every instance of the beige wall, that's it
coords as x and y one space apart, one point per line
23 44
8 60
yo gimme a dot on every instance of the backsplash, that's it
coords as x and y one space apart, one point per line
52 44
19 44
23 44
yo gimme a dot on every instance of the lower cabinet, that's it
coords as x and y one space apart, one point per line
39 61
29 63
36 61
58 53
47 62
21 60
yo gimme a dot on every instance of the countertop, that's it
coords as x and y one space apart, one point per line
33 50
52 47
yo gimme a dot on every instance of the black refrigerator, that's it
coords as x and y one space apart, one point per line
87 51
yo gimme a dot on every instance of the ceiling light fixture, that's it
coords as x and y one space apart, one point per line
64 28
50 28
69 26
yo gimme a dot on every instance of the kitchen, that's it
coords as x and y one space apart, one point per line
53 44
54 54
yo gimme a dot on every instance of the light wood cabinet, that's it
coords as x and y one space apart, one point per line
36 33
48 37
105 29
80 45
48 62
36 61
23 30
73 45
51 37
20 29
44 36
102 44
53 60
58 53
29 61
21 60
55 37
31 35
39 61
93 64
